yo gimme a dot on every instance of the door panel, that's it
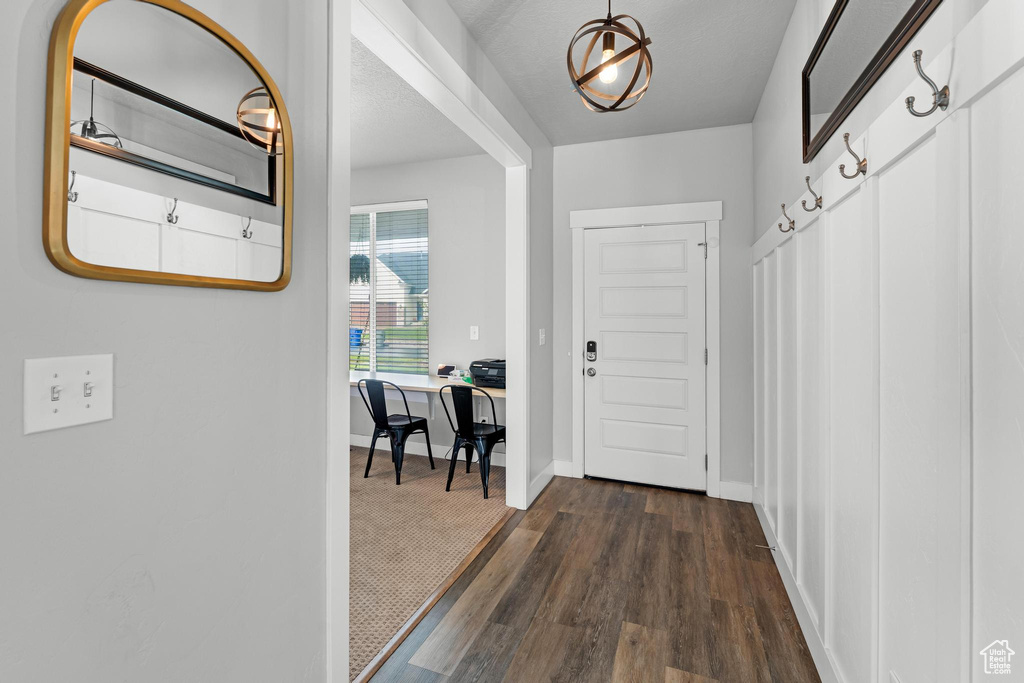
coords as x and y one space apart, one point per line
645 402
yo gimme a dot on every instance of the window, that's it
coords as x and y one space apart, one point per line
388 301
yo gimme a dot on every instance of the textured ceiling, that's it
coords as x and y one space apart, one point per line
712 59
394 124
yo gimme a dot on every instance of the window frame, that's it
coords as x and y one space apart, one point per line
372 210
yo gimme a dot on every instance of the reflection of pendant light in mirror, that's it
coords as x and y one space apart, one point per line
258 122
606 70
90 129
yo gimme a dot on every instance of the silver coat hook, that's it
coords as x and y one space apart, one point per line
792 223
171 218
817 198
246 231
862 164
72 196
940 98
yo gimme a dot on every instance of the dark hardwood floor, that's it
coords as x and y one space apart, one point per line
603 581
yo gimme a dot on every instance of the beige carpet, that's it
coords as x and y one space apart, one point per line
405 540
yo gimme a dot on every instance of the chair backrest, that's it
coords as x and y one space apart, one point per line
462 403
377 403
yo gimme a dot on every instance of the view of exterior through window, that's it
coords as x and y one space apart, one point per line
388 276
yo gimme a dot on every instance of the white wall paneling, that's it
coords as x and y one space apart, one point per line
888 356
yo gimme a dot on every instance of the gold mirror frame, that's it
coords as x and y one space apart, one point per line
58 147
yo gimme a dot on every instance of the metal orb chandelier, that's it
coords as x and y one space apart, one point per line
606 69
258 121
91 129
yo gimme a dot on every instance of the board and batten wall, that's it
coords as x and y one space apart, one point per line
186 538
889 378
712 164
466 231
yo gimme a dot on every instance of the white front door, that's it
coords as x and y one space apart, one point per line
645 362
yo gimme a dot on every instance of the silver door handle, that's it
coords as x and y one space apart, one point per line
591 372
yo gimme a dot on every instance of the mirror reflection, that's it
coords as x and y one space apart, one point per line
162 175
864 27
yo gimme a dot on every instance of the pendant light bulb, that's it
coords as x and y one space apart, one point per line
609 73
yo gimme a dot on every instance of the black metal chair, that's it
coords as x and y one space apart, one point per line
469 433
398 428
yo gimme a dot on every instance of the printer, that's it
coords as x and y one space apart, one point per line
489 372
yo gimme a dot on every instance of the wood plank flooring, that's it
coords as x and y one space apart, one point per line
603 581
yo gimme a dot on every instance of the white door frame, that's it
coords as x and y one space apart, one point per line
709 213
390 30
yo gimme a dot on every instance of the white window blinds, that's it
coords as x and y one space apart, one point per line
389 293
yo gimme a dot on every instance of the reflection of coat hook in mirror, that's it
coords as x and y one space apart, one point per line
246 231
817 198
862 164
72 196
792 222
171 218
940 98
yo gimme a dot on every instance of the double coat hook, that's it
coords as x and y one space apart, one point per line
862 164
247 231
72 196
940 97
817 197
792 222
171 217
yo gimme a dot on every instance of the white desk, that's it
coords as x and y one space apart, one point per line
417 388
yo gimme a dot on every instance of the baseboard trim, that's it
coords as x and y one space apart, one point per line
562 468
416 446
540 481
827 670
736 490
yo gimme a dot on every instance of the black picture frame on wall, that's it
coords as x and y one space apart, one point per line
84 67
901 34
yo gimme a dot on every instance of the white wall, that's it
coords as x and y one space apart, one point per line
888 354
185 539
466 206
778 152
466 210
692 166
449 30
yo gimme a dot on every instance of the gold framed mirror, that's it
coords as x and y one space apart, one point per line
168 151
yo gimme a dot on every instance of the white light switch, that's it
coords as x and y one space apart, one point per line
541 337
64 392
474 332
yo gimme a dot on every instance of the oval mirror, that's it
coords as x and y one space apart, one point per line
168 151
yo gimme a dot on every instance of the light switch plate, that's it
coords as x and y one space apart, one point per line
69 391
474 333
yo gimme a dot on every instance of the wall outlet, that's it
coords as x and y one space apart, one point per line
65 392
474 332
542 337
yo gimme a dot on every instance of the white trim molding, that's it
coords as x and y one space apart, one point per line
709 213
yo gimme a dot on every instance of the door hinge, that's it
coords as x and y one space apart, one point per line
705 245
705 462
705 356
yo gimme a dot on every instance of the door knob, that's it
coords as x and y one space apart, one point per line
591 372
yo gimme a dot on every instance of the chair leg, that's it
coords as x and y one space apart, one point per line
430 454
485 465
469 457
451 465
397 454
369 458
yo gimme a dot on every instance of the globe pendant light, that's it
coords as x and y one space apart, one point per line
91 129
258 121
606 69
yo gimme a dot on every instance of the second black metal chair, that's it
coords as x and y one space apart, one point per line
469 433
398 428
